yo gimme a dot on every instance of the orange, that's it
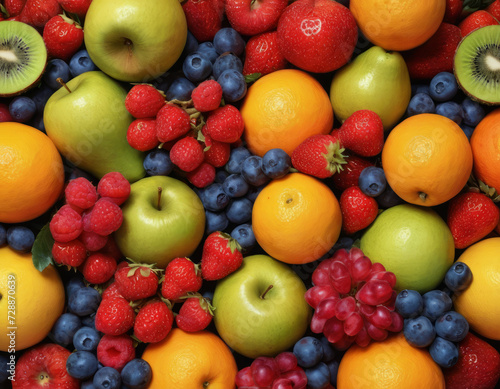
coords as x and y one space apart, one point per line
390 364
31 173
296 219
191 361
485 143
427 159
479 302
398 24
30 300
283 108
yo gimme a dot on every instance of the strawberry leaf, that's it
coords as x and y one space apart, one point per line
145 272
42 249
252 77
4 11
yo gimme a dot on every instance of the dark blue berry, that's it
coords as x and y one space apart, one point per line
419 331
451 110
107 378
388 198
236 159
180 89
20 238
409 303
65 328
88 321
372 181
436 302
4 367
233 84
22 109
318 376
136 374
452 326
328 350
73 284
80 63
3 235
444 352
228 39
239 210
215 221
458 277
56 68
86 339
309 351
333 366
196 67
157 163
254 191
468 130
40 95
81 365
208 50
443 87
235 185
420 88
473 112
244 236
276 163
220 176
226 61
214 198
84 301
251 170
420 103
191 44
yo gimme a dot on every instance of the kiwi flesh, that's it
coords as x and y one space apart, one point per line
477 65
23 57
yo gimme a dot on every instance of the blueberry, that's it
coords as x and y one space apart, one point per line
87 385
328 351
473 112
107 378
73 284
215 221
157 163
239 210
276 163
81 365
84 301
136 374
419 331
309 351
443 86
227 39
235 185
452 326
37 122
64 328
80 63
22 109
196 67
458 277
254 191
3 235
4 367
372 181
420 103
318 377
20 238
333 366
56 68
436 302
451 110
214 198
420 88
180 89
40 95
234 86
388 198
226 61
409 303
468 130
208 50
88 321
191 44
344 242
220 176
444 352
244 236
251 170
76 172
86 339
236 159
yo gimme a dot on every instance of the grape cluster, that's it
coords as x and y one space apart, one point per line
353 300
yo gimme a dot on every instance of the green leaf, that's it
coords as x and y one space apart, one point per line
252 77
471 6
42 249
4 10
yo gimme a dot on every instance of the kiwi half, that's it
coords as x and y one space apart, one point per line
23 57
477 65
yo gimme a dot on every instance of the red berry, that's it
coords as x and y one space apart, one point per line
92 241
111 248
37 12
196 314
115 187
79 7
358 209
114 316
216 153
141 134
362 133
202 176
98 268
204 17
71 253
225 124
172 122
154 322
106 217
62 36
111 291
476 20
262 54
136 282
187 154
115 351
80 193
144 101
181 276
220 257
207 96
66 224
5 115
349 175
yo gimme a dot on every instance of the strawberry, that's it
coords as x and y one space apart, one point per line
494 9
204 18
136 281
435 55
207 96
62 36
79 7
453 11
202 176
172 122
250 17
471 216
181 276
220 257
478 366
144 101
358 210
362 133
141 134
319 155
153 322
349 175
114 316
98 268
476 20
14 7
39 12
225 124
195 314
262 54
216 153
111 291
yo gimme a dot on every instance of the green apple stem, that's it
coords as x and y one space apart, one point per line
263 295
158 205
61 81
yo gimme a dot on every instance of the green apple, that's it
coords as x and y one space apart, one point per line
89 126
260 309
163 218
414 243
133 40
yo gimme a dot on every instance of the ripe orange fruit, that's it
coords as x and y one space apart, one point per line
427 159
479 302
398 24
485 143
296 219
191 361
31 173
391 364
283 108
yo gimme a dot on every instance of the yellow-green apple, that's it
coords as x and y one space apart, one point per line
260 308
133 40
163 218
88 124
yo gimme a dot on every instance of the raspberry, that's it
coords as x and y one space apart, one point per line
144 101
202 176
216 153
114 316
187 154
115 351
171 123
111 248
98 268
207 96
71 253
114 187
66 224
225 124
92 241
106 217
141 134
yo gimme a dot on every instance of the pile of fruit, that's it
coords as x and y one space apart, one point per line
249 194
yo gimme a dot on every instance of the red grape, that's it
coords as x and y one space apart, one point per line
286 361
384 275
397 322
353 324
321 277
362 338
340 277
333 330
317 293
360 268
283 383
381 318
244 377
298 376
376 333
326 308
263 375
345 308
317 325
374 292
